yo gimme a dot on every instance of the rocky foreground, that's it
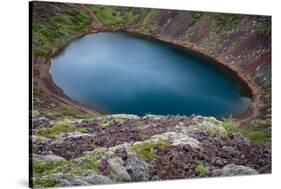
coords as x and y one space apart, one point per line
127 148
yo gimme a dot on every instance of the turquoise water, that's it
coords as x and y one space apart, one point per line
122 73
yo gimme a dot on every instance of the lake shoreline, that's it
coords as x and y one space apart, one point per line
43 78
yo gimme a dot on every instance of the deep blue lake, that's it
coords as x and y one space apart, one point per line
122 73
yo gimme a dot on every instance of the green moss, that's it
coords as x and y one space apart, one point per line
60 126
41 169
46 167
104 124
39 182
148 150
82 130
47 113
89 161
201 169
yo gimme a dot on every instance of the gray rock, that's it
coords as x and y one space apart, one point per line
208 124
153 117
49 157
233 170
39 139
138 169
176 139
97 179
230 150
240 139
74 181
118 172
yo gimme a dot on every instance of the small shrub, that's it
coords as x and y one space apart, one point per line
229 125
201 169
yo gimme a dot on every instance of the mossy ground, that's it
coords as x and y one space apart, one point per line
256 134
40 169
147 150
59 127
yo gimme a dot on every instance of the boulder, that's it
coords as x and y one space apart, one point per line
97 179
176 139
233 170
138 169
118 172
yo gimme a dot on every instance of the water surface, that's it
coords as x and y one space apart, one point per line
121 73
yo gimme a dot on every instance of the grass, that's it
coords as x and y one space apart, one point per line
39 52
68 110
57 28
227 21
256 135
109 15
196 17
146 24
